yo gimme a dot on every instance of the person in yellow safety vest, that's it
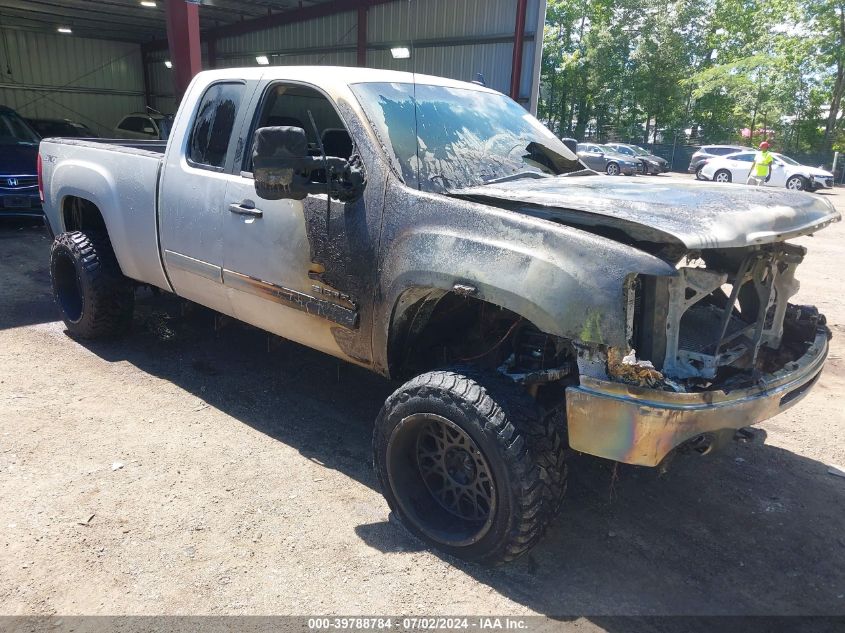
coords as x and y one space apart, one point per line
761 168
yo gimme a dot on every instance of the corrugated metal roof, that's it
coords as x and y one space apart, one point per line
127 20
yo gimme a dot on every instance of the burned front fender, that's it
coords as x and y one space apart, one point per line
566 281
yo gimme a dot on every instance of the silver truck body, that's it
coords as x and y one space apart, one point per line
358 280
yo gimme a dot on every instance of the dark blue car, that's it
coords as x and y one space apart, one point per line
18 166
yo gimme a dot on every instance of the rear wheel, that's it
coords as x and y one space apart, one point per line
797 183
612 169
95 299
470 464
698 175
723 175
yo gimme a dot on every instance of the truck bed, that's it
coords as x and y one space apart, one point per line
129 146
120 177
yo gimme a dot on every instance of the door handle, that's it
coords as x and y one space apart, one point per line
240 209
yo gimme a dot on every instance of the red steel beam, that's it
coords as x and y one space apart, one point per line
518 40
362 36
183 39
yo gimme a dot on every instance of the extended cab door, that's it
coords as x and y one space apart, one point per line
192 200
302 269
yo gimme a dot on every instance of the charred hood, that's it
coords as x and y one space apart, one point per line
686 215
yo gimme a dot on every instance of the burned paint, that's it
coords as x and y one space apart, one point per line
639 425
689 215
291 298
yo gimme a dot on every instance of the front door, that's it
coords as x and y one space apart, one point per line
302 269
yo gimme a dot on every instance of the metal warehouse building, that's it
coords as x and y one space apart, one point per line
94 62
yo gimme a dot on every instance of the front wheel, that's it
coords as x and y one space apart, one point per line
723 175
796 183
470 464
612 169
95 299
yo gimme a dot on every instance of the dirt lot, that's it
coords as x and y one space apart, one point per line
186 470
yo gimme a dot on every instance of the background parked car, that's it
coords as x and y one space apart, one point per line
651 164
706 152
604 159
18 171
61 128
144 125
786 172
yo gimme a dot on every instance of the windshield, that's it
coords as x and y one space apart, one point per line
639 151
787 159
442 139
13 129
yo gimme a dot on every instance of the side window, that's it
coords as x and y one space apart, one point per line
289 105
215 119
746 158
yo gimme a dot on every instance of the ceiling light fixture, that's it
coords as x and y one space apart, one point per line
262 60
400 52
148 3
168 63
64 29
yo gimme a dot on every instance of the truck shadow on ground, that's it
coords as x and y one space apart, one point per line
754 530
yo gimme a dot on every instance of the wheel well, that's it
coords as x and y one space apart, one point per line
434 328
80 214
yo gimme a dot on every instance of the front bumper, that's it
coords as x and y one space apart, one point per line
823 182
20 203
641 426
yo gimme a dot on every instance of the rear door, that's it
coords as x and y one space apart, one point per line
302 269
192 200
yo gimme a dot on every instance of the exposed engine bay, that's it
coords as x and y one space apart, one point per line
723 321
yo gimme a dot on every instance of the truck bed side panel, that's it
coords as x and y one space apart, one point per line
122 183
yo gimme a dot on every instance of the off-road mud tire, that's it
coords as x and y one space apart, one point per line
521 443
93 296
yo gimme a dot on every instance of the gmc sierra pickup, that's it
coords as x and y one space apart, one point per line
433 231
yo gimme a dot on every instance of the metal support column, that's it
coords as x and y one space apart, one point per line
211 52
362 35
145 68
183 39
518 41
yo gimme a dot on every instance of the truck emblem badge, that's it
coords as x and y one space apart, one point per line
12 182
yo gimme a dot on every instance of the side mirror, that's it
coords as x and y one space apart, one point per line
283 168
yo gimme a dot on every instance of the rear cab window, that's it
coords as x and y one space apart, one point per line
211 132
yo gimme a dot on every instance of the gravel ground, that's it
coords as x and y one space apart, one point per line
194 470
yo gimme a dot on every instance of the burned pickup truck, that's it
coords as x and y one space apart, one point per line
434 232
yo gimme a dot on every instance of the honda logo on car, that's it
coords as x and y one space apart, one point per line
12 182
